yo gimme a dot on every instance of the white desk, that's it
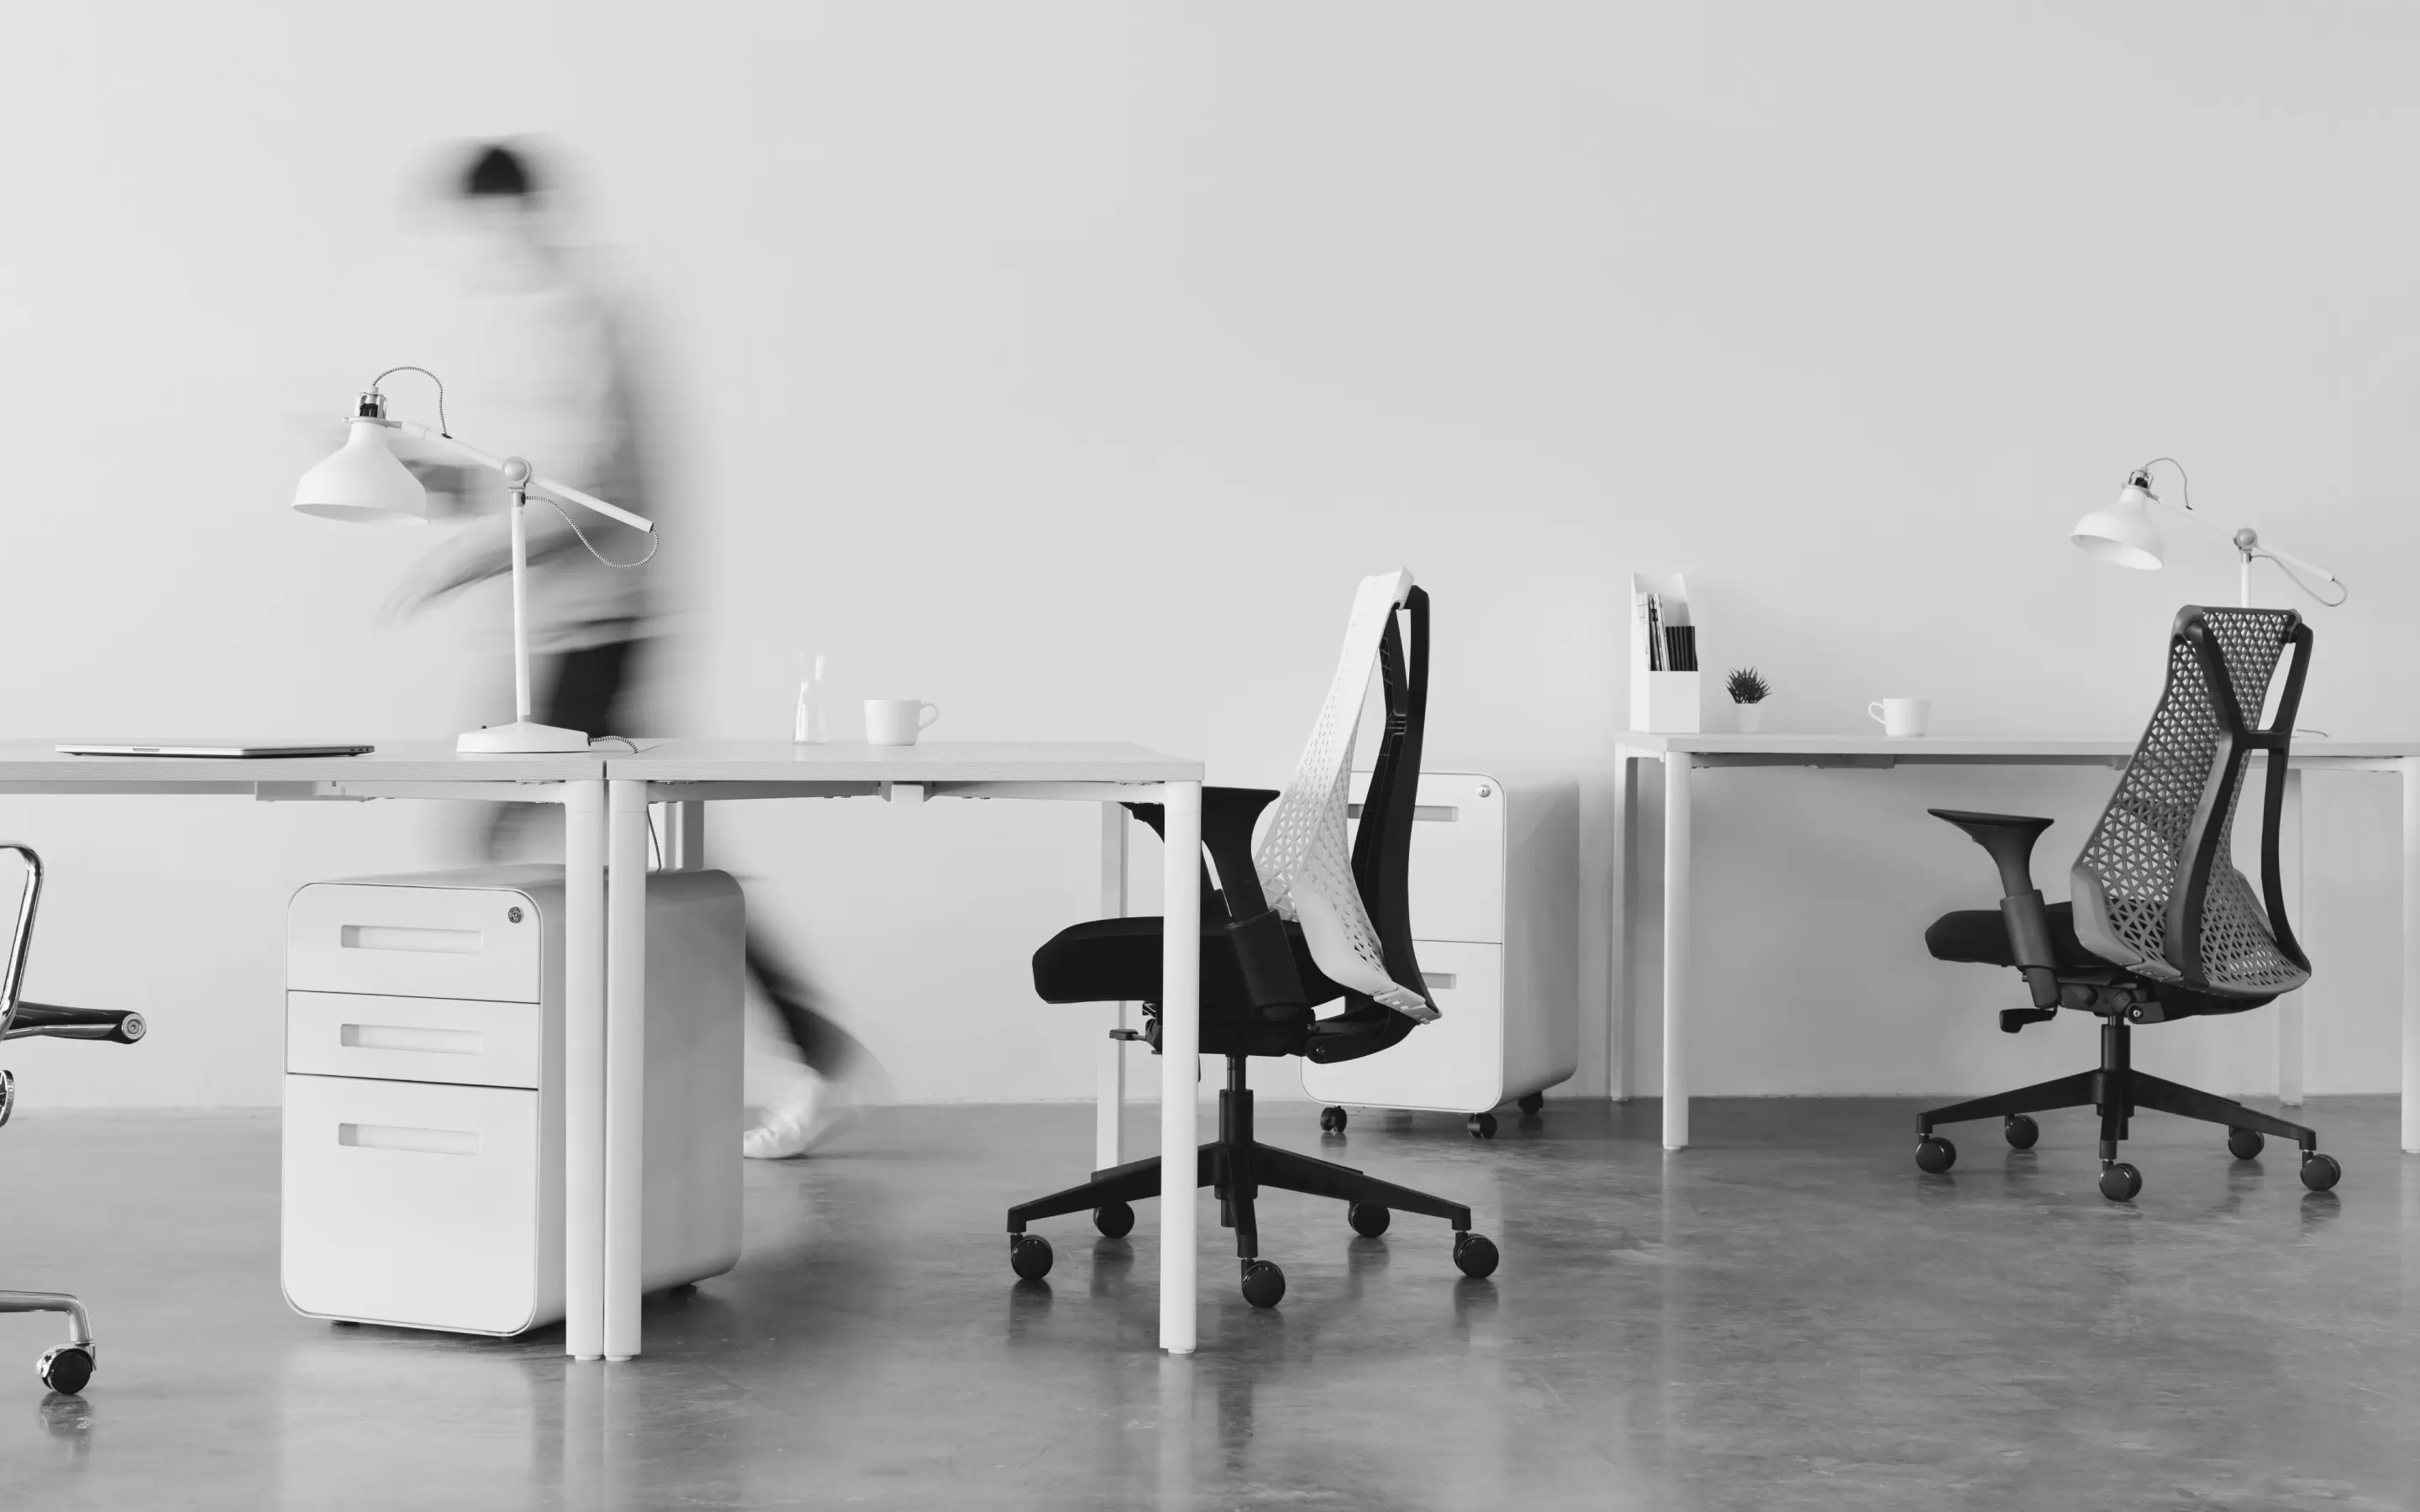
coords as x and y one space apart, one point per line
1682 754
423 769
687 774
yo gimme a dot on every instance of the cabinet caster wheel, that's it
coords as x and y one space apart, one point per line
1531 1103
2244 1144
1264 1283
2119 1181
1475 1254
1115 1220
2320 1172
1331 1120
66 1368
1368 1219
1029 1256
1935 1154
1482 1125
2021 1131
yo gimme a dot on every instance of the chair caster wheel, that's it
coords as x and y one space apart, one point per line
1475 1254
2119 1181
1368 1219
1029 1256
1531 1103
1331 1120
1935 1154
2320 1172
1482 1125
1114 1219
1264 1283
66 1368
2244 1144
2021 1131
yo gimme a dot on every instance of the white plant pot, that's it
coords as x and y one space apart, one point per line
1751 718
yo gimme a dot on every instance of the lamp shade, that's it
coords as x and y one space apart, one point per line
362 483
2123 533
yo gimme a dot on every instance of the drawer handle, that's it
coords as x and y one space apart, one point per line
418 941
1441 980
409 1038
1434 813
411 1141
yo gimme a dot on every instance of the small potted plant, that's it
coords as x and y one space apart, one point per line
1748 690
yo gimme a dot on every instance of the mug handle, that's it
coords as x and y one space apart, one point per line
926 722
1874 712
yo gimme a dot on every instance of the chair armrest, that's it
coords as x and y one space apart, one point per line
49 1021
1253 928
2009 838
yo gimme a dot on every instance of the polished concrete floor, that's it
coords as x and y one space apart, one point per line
1787 1315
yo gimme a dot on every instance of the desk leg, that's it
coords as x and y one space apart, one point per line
2292 1008
2411 956
583 1070
684 835
1180 1030
1109 1068
1621 1037
1676 949
626 1060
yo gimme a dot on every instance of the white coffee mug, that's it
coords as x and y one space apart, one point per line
898 721
1902 717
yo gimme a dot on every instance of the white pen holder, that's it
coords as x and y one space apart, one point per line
1664 703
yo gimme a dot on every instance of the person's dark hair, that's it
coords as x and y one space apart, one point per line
498 170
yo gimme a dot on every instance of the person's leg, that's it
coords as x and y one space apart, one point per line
829 1050
814 1100
585 690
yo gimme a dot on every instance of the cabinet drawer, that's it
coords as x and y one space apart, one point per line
1454 1065
411 1204
414 942
460 1040
1457 864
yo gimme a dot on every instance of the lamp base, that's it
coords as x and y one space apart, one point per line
520 737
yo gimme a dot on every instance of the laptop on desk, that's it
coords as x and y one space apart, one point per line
234 751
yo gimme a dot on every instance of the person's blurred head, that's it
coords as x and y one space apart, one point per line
503 221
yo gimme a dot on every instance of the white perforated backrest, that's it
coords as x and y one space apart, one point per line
1305 860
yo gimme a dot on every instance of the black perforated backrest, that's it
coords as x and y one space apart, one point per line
2156 889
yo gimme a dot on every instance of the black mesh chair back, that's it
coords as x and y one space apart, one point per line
2156 889
1382 846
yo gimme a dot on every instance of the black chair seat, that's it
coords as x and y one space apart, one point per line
1117 961
1981 935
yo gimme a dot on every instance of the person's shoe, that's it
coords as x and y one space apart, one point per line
820 1110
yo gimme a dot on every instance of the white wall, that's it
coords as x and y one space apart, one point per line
1066 364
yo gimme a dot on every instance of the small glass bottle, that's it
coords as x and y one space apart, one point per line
810 726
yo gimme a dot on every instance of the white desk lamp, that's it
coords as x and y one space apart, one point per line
2125 533
365 484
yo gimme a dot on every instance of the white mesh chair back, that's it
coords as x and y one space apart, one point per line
2138 902
1304 859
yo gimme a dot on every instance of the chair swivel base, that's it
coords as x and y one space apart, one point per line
2116 1091
1237 1167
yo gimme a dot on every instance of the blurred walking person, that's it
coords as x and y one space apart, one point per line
555 382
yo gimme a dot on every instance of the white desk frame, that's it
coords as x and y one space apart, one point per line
427 769
688 774
1683 754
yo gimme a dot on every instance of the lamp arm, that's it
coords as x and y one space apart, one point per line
2248 544
542 484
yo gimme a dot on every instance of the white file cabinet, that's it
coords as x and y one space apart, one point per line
423 1179
1495 912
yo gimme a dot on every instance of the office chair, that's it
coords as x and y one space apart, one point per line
2162 925
67 1367
1284 931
